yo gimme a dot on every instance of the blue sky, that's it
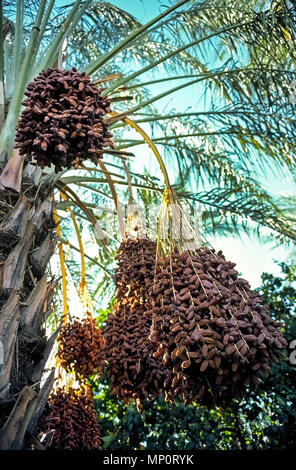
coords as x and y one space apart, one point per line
252 257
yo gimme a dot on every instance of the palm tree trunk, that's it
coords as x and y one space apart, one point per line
27 242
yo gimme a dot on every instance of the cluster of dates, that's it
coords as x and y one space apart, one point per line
132 369
62 123
211 331
80 347
73 417
70 413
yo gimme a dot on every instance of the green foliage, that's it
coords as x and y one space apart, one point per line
265 419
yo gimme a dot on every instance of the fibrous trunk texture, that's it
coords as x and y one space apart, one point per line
27 242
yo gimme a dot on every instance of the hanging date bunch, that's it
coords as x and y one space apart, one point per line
72 416
132 369
62 124
211 330
80 347
135 268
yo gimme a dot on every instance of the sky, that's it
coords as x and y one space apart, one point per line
252 256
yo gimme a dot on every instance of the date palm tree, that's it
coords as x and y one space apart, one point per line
238 56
